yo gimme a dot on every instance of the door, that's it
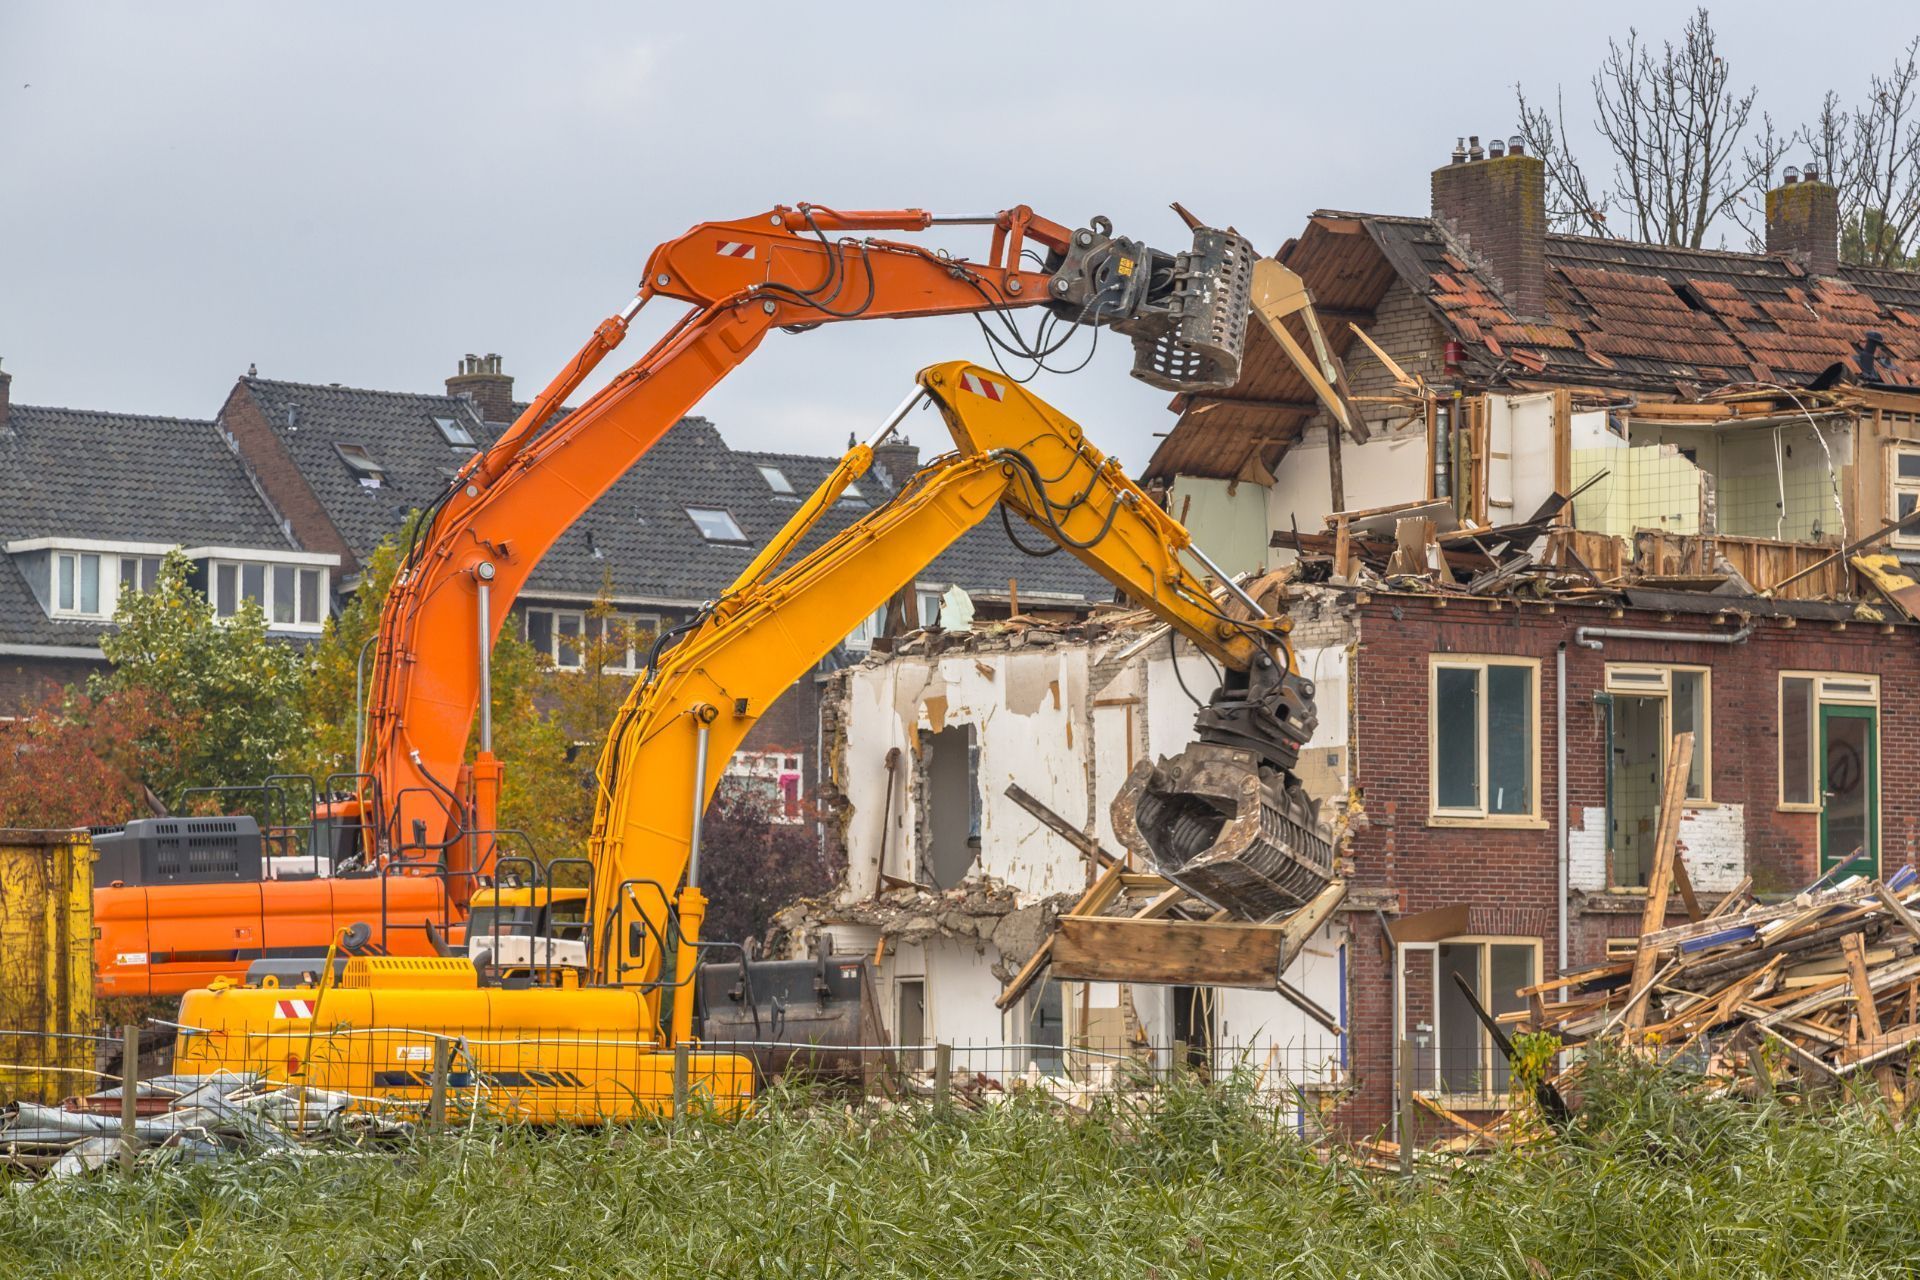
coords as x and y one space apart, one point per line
1850 788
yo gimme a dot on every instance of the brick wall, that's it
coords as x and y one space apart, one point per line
1509 878
27 682
285 487
1498 209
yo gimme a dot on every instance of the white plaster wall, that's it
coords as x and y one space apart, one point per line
1227 518
1713 840
1589 431
1389 468
1520 470
1030 709
1255 1027
1119 729
961 990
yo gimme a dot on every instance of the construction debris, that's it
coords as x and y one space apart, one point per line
1820 989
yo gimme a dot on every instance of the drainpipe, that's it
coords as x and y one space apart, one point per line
1560 774
1581 636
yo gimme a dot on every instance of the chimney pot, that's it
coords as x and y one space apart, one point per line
482 381
1803 221
1516 145
1474 151
1496 149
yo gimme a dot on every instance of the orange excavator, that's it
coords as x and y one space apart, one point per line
194 900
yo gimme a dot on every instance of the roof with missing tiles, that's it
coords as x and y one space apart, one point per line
1620 314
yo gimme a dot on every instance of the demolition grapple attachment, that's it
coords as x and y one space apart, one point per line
1225 819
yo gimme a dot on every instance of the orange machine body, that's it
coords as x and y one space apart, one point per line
165 940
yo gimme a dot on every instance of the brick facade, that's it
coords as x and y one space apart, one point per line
1509 877
27 682
1498 209
280 478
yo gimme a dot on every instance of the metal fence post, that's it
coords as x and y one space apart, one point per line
942 1075
442 1067
1406 1105
129 1095
681 1063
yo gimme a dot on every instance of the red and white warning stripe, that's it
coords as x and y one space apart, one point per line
982 386
734 249
296 1008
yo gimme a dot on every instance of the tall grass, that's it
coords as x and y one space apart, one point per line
1651 1183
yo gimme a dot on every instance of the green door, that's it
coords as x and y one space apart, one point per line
1850 788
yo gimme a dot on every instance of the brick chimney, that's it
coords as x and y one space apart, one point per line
1497 208
6 397
1803 222
899 458
481 381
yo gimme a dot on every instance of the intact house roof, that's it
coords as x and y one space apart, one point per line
1620 314
112 482
981 560
638 541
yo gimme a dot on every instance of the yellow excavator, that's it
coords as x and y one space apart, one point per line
588 1033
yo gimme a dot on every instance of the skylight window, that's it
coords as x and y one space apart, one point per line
454 433
361 463
716 525
776 480
852 494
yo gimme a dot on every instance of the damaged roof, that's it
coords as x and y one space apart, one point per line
1620 314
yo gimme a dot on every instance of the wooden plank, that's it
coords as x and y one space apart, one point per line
1060 826
1304 923
1892 903
1684 883
1660 883
1430 926
1102 891
1169 952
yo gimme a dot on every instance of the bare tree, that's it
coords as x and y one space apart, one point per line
1871 154
1687 150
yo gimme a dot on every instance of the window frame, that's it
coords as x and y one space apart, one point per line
636 623
1896 486
448 426
1830 688
1455 816
783 486
732 520
270 571
361 464
1434 1077
106 598
1616 679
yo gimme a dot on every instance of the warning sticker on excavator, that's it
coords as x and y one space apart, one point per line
735 249
295 1008
413 1053
983 386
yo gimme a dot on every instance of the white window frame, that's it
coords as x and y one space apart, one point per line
861 638
785 770
1830 688
635 622
454 432
106 576
777 480
1478 815
732 520
1909 537
1655 680
1431 1081
269 574
361 464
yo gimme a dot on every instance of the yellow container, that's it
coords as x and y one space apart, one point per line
46 965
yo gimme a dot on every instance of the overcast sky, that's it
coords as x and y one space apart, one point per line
361 193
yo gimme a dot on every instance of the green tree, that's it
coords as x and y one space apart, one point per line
233 693
1868 239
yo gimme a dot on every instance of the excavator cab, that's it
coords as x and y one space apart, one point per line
527 930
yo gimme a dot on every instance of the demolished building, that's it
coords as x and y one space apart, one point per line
1589 495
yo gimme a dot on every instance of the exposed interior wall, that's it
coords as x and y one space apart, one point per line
1391 467
1769 482
1650 486
1227 518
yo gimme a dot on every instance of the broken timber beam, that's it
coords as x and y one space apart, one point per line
1188 952
1053 822
1660 882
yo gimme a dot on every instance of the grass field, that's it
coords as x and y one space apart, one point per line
1650 1184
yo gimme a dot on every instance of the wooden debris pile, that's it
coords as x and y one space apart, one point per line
1821 988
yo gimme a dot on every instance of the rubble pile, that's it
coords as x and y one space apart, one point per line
1805 995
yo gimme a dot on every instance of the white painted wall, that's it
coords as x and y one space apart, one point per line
1389 468
1263 1026
1713 840
1520 468
1227 518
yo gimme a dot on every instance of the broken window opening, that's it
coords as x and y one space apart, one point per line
951 764
1046 1028
1649 706
1464 1062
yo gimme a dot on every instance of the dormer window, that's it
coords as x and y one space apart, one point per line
777 480
716 524
454 433
361 464
292 596
76 586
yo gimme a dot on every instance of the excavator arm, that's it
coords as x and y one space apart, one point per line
667 747
788 268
